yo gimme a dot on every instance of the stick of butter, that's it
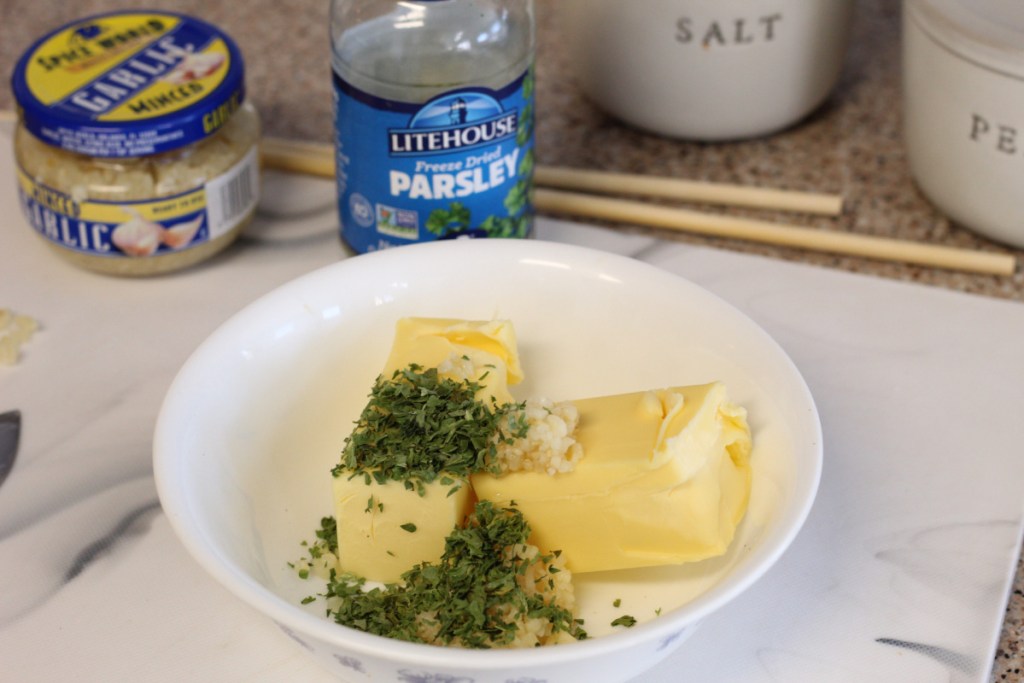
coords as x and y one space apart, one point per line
664 479
484 351
384 529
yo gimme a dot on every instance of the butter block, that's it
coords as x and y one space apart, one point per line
372 542
481 350
664 479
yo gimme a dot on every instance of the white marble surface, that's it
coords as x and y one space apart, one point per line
901 573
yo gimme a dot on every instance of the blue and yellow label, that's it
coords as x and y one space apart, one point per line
459 165
129 84
142 228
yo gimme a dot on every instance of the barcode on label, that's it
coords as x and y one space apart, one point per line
231 196
236 196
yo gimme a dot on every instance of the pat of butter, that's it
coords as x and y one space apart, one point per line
664 479
488 348
372 542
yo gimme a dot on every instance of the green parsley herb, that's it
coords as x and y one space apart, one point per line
410 527
617 602
418 425
625 620
328 534
471 597
326 542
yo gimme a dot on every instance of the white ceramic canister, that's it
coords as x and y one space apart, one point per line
963 86
708 69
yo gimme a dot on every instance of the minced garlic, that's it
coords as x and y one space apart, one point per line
15 330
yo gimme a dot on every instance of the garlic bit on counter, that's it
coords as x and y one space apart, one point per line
15 330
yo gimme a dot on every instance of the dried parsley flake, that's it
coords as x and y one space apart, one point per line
418 425
471 597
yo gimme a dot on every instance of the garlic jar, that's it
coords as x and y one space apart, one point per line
963 91
136 153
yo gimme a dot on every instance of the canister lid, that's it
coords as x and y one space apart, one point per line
988 32
127 84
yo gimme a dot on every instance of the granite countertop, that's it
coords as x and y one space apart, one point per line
851 145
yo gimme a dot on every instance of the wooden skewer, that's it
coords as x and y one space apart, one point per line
641 213
310 158
318 159
603 182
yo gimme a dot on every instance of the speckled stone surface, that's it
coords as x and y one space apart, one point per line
851 145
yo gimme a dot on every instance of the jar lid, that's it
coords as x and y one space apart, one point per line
128 84
988 32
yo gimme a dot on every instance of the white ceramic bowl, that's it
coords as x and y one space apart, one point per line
255 419
707 69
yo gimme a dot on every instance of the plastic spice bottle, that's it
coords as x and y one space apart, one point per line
434 119
135 151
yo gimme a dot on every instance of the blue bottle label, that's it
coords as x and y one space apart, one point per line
459 165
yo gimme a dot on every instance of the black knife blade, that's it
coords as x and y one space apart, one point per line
10 431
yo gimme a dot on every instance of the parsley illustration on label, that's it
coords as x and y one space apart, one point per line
454 220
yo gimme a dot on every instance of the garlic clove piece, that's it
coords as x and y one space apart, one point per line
180 235
138 237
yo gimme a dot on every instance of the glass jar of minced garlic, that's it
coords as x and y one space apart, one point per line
136 153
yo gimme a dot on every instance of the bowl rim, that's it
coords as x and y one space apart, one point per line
176 499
